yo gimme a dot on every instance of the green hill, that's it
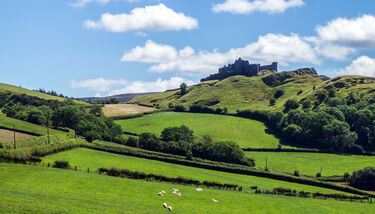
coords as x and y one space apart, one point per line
19 90
240 92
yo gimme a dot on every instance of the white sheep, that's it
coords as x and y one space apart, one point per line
175 190
198 189
179 194
163 191
215 201
160 194
165 205
170 208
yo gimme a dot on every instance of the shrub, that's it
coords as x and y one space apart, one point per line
133 142
318 175
61 164
290 104
299 92
272 101
363 179
278 94
296 173
182 133
180 108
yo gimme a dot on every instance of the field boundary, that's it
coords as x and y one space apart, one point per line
231 169
21 131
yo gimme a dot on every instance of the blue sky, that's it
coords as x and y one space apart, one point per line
101 47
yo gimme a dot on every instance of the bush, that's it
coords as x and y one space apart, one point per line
290 104
180 108
363 179
296 173
318 175
182 133
299 92
272 101
278 94
133 142
61 164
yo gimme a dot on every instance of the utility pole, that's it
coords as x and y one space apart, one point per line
14 136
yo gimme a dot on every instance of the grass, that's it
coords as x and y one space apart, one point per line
311 163
29 189
245 132
111 110
6 135
20 90
235 93
8 122
85 158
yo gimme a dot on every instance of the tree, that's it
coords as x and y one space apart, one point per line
113 100
183 87
182 133
363 179
36 116
278 94
290 104
96 110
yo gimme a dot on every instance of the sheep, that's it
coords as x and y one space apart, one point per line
165 205
160 194
175 190
198 189
215 201
179 194
170 208
163 191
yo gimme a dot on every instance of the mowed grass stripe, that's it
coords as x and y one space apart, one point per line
311 163
86 158
245 132
29 189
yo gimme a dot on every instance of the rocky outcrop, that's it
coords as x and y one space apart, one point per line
241 67
279 78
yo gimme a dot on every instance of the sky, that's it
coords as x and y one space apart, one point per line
86 48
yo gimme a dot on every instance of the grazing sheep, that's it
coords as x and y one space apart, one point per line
165 205
198 189
174 192
179 194
170 208
163 191
160 194
215 201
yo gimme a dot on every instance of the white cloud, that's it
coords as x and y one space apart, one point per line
268 48
363 65
157 86
108 86
83 3
356 33
150 18
246 6
151 52
100 84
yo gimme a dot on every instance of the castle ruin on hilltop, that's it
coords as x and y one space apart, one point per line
241 67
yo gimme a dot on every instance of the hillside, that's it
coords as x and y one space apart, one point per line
19 90
240 92
119 97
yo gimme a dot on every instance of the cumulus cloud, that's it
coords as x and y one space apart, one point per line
157 86
356 33
246 6
83 3
100 84
363 65
150 18
268 48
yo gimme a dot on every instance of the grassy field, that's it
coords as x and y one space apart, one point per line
247 133
111 110
6 135
29 189
85 158
8 122
236 92
311 163
20 90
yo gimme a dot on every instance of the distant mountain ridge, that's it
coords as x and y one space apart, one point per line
123 98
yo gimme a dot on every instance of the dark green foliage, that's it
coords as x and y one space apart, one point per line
180 108
299 92
113 101
183 87
272 101
296 173
318 175
197 108
278 94
61 164
290 104
133 142
37 117
96 110
182 133
150 141
363 179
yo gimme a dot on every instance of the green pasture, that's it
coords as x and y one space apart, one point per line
245 132
86 158
311 163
